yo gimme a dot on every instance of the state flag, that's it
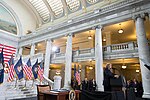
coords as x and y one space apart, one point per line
1 67
35 69
19 69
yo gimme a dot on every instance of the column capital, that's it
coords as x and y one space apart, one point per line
32 44
49 40
141 15
97 27
69 34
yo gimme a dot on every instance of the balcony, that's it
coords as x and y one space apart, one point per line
115 51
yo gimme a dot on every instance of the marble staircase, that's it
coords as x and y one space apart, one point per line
8 90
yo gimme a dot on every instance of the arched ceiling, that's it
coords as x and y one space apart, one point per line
49 10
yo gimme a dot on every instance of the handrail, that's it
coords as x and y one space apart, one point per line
50 82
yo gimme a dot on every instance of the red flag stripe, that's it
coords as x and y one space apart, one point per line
78 77
2 45
11 73
7 51
40 73
27 71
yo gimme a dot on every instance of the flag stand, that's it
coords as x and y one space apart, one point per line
25 84
16 83
32 84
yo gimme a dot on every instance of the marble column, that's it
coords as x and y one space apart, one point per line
144 53
108 38
99 58
32 51
20 51
68 64
83 72
47 57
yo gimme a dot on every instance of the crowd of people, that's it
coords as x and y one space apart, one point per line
90 85
136 86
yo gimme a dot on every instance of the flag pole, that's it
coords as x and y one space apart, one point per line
16 83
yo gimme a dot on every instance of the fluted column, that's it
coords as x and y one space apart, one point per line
47 57
83 72
68 60
32 51
99 58
144 53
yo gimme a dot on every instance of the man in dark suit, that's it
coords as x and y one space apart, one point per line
107 76
85 84
92 85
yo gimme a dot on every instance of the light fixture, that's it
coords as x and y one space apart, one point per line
124 66
80 70
89 37
120 30
35 49
104 39
54 48
90 67
137 70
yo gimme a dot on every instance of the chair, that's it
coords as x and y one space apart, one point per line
40 88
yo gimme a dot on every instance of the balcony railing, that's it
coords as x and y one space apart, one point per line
129 49
121 47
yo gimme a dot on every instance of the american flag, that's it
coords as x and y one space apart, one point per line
78 77
7 51
28 69
11 69
41 71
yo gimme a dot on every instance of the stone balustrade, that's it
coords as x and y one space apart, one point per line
123 50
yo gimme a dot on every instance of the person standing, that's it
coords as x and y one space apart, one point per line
92 85
85 85
136 87
108 74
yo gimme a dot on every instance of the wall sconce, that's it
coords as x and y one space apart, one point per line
120 30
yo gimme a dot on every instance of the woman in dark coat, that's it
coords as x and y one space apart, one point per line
107 76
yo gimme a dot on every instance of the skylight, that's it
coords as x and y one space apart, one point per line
92 1
41 9
56 6
73 5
